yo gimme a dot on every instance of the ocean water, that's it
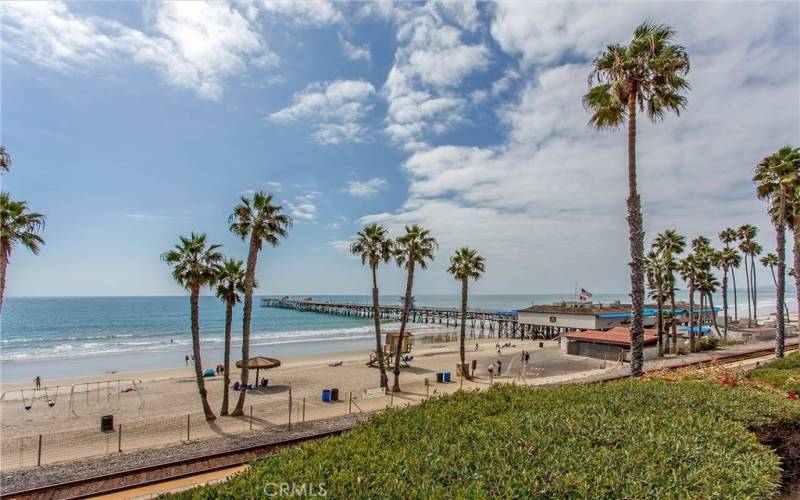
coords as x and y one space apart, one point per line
76 336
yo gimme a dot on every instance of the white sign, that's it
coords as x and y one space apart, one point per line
374 393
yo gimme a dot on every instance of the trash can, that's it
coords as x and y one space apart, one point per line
440 377
334 394
326 395
107 423
447 376
541 345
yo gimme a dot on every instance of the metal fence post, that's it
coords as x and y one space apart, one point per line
39 452
290 408
391 399
188 426
304 409
251 417
119 439
350 403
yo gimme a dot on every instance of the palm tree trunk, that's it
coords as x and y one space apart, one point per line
753 283
462 337
403 321
700 316
780 333
636 236
691 314
747 278
725 300
226 376
775 282
735 298
674 320
660 303
797 265
4 254
198 365
376 314
713 314
247 313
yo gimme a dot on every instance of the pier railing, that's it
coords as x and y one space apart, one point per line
491 322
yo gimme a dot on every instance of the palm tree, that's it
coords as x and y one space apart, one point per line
689 269
230 284
374 246
707 285
727 259
263 222
5 159
776 177
18 226
670 243
728 236
752 249
195 265
701 247
415 248
746 234
645 75
770 261
657 275
465 264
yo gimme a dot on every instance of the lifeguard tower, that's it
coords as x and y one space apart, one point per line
393 339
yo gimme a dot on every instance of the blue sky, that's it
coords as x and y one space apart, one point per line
132 123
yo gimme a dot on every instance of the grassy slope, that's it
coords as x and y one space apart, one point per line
632 439
781 373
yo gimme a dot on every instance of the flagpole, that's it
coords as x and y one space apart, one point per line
576 291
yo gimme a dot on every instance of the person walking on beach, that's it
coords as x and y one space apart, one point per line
187 360
491 369
499 368
38 382
476 347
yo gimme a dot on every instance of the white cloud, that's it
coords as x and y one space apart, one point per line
366 189
341 245
304 207
335 108
355 52
152 217
547 205
431 61
304 12
194 45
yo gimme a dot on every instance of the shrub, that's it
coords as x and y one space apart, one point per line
629 439
707 343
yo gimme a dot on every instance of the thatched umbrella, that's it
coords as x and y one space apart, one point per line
260 363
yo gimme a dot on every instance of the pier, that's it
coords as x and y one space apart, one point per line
480 323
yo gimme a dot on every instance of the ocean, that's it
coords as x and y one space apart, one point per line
83 335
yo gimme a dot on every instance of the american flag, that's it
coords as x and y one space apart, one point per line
585 295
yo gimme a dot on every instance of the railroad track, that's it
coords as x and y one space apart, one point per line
151 475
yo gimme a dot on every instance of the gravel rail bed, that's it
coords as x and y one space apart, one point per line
53 474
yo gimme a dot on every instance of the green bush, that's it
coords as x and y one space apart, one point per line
707 343
781 373
629 439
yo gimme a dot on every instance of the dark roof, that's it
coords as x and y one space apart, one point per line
615 336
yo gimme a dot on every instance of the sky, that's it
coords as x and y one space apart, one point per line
131 123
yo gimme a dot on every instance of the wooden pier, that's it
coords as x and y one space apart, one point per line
480 323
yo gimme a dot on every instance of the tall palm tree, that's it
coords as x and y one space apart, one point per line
793 221
18 226
727 259
263 222
647 75
414 248
670 243
770 261
657 275
230 286
752 249
465 264
728 237
689 269
5 159
776 177
195 265
746 234
707 285
374 246
701 247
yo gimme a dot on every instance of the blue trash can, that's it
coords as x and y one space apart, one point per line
447 377
326 395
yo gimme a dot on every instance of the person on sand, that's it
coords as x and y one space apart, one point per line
476 346
499 368
491 369
187 360
38 382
